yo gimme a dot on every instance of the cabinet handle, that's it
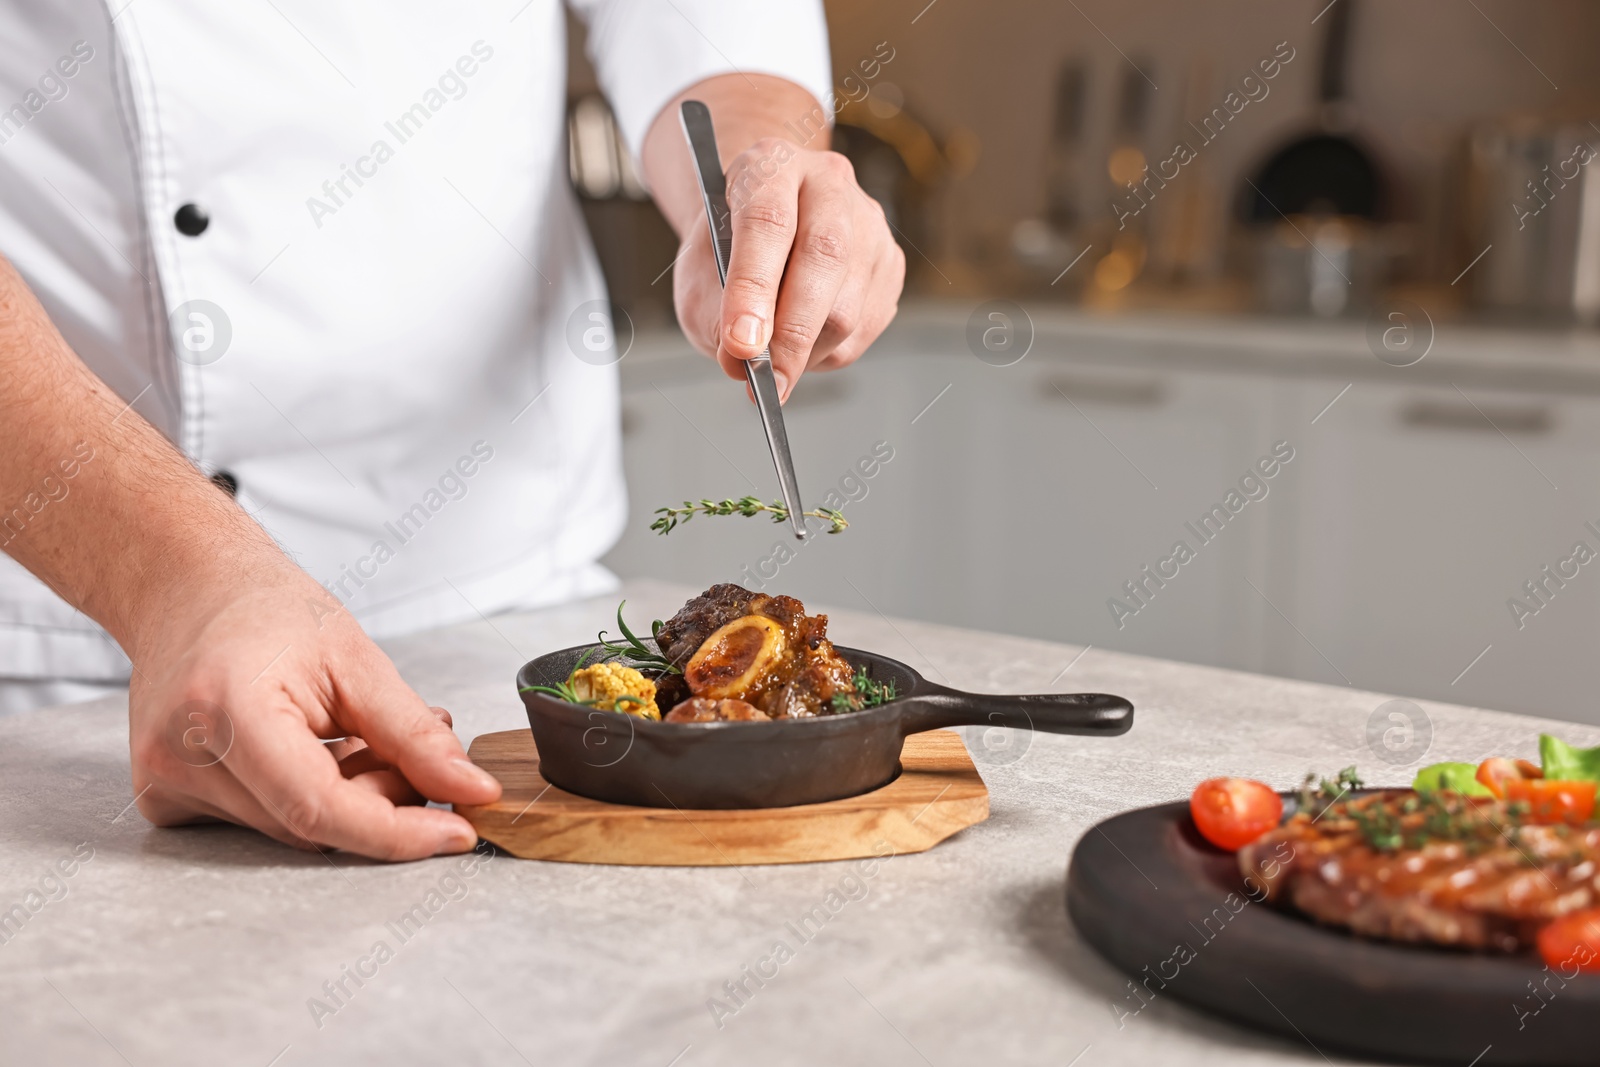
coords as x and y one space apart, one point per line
1123 392
1446 415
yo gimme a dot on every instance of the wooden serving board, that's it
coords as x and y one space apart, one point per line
938 793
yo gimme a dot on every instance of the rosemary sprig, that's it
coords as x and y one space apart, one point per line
637 652
866 693
748 506
564 690
561 690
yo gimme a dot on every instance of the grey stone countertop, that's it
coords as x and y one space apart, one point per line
207 945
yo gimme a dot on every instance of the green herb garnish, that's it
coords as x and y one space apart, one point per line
865 693
565 691
561 690
748 506
1381 827
636 652
1316 797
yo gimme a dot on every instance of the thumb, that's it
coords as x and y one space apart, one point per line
404 732
746 321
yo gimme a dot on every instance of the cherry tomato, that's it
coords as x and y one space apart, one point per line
1232 812
1498 770
1553 801
1572 941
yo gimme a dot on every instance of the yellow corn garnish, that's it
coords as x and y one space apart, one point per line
602 684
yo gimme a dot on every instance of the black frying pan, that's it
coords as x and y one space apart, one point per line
1322 171
627 760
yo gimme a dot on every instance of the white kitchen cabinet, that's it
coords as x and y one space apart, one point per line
1020 501
1096 474
1417 522
1382 555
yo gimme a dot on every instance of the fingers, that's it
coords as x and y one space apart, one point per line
843 320
375 704
878 311
697 294
821 260
764 222
815 274
216 796
260 759
364 768
389 784
278 778
297 785
360 760
345 747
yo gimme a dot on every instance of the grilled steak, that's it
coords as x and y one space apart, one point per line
1438 868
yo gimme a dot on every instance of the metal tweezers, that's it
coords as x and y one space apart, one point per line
697 128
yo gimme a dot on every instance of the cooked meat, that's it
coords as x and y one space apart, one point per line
701 617
765 650
737 658
671 690
818 674
1441 868
704 709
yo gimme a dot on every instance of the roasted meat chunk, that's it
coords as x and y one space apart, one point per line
704 709
697 620
764 650
1440 868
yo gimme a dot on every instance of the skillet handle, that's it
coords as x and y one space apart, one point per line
1095 714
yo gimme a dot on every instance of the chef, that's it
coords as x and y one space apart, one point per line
287 357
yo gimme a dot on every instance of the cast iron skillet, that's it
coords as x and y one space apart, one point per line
627 760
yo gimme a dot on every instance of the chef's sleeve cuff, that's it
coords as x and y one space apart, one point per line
648 51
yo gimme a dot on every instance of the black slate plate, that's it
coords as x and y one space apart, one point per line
1172 911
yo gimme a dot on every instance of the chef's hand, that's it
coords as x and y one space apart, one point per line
242 665
230 708
815 271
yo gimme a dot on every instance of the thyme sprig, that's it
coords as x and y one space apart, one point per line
866 693
1452 817
635 651
1316 797
1423 817
748 506
1382 829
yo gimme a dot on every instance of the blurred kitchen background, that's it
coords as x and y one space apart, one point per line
1147 243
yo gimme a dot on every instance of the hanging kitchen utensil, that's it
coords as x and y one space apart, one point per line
1314 207
1323 171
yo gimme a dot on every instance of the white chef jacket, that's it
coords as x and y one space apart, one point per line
395 252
